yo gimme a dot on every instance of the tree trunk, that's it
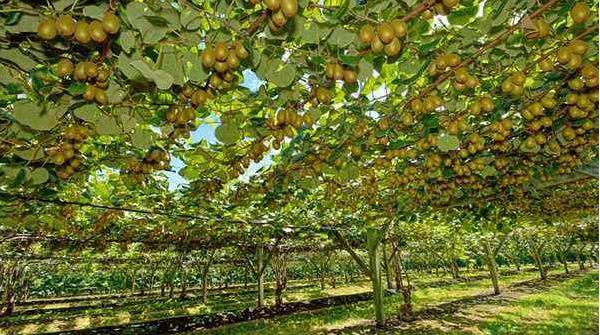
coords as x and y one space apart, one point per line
492 267
205 271
454 268
538 263
260 276
375 266
387 267
579 260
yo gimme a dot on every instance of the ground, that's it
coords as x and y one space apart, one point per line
561 305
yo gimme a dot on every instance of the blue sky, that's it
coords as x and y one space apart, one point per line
206 132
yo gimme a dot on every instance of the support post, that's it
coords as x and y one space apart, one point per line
373 240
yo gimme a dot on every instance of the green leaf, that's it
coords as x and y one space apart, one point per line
39 176
31 154
107 125
88 112
95 12
341 37
227 133
20 59
27 23
281 74
34 116
193 68
190 20
161 78
489 171
76 88
142 138
365 70
127 40
447 142
171 63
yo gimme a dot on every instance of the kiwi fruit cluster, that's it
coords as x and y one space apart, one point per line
463 80
482 104
440 8
475 144
321 94
280 12
386 37
183 120
96 77
454 127
285 122
154 159
498 131
540 29
336 71
546 65
424 144
581 105
580 12
195 96
571 55
443 62
223 60
589 75
425 105
81 31
66 155
514 84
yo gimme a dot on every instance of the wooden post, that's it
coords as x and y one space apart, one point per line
373 240
260 275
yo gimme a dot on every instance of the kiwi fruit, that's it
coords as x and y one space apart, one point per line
393 48
385 32
101 97
450 3
199 97
90 93
103 74
543 28
91 69
96 31
350 77
563 55
240 51
376 45
289 8
208 58
64 68
65 26
82 34
546 65
399 27
233 61
338 72
580 12
79 73
46 29
279 19
221 52
221 67
272 5
110 23
274 28
366 33
578 47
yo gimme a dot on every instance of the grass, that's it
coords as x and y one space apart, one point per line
526 315
569 308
